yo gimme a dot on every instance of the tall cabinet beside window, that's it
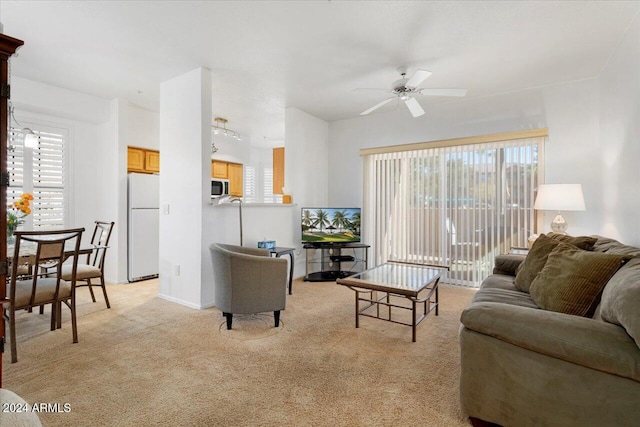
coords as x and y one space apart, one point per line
278 170
235 179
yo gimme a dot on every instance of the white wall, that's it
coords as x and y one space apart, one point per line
307 174
116 129
185 113
142 127
57 102
92 159
620 139
569 110
134 126
306 158
231 150
99 132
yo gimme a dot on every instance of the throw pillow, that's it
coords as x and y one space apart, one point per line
572 280
621 299
534 262
582 242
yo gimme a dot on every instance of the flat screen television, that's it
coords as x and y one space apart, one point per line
330 225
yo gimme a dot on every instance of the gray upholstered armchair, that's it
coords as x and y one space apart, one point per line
248 281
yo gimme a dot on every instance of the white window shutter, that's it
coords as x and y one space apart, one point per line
40 171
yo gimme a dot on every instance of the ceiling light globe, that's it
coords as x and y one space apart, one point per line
30 139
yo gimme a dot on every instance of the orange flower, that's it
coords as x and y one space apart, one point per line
27 196
26 210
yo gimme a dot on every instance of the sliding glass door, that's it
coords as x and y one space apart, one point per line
454 205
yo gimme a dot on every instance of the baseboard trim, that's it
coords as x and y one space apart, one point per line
208 305
181 302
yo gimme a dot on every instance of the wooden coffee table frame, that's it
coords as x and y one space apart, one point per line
429 301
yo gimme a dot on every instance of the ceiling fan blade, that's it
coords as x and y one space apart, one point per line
442 92
418 77
378 105
371 89
414 107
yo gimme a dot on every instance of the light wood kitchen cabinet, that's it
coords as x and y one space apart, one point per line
278 170
235 179
135 159
231 171
152 161
143 160
219 169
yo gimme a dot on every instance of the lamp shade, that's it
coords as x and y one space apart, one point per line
560 197
30 138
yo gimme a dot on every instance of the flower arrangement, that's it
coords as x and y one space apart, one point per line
16 214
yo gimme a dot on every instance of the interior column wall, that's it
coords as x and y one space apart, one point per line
307 174
185 113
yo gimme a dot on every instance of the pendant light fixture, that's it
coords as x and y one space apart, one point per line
220 128
31 139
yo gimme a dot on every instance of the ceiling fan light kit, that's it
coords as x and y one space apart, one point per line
405 90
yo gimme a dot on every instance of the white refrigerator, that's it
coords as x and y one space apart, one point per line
144 211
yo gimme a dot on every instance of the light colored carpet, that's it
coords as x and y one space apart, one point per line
150 362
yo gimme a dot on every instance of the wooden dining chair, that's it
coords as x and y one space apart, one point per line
94 267
45 248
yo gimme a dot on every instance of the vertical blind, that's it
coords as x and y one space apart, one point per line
457 206
40 171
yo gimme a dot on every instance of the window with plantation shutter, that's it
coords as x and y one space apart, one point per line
249 184
41 172
267 185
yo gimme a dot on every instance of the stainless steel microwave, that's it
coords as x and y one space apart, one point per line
219 187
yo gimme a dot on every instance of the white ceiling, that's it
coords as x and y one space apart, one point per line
269 55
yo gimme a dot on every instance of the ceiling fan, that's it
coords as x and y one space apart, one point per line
406 88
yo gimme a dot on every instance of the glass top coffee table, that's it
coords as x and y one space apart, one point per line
417 283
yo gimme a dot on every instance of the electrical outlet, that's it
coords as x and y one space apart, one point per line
176 270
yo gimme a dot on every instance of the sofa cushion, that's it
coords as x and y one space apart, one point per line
611 246
508 264
572 280
621 299
500 288
603 244
582 242
534 262
583 341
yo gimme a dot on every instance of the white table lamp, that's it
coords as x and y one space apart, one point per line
559 197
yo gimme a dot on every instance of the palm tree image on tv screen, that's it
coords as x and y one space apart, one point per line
330 225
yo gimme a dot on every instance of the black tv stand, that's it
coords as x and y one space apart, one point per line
326 262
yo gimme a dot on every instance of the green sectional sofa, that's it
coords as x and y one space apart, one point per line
526 366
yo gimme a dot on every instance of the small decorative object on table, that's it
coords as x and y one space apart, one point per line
16 213
267 244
